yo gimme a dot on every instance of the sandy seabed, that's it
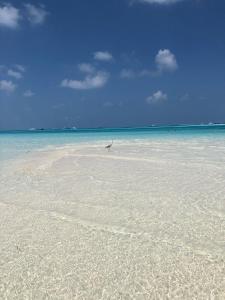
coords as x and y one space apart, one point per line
143 221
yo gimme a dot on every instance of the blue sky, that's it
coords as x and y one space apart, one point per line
97 63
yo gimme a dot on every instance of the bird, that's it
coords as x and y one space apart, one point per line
109 146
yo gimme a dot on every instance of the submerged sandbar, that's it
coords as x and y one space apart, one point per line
143 221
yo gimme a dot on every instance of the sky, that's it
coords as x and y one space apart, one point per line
114 63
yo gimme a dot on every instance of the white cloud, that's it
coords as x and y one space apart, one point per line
127 74
166 61
131 74
97 80
35 14
15 71
14 74
28 93
157 97
165 2
7 86
86 68
93 78
20 68
9 16
103 56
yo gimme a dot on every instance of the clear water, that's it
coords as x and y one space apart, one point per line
15 143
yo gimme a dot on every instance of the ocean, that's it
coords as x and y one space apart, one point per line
17 142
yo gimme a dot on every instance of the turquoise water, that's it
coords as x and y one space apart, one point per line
14 143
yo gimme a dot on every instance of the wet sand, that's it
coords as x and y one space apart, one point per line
143 221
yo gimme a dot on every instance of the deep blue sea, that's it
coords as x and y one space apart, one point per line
14 143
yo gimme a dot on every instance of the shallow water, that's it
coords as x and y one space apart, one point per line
143 221
16 143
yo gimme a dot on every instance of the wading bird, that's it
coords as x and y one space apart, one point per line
109 146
